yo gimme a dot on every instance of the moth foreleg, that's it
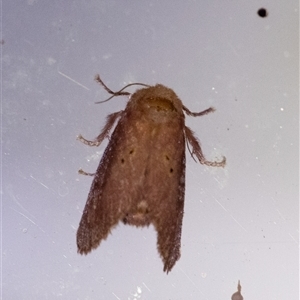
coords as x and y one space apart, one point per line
81 172
111 119
198 114
192 140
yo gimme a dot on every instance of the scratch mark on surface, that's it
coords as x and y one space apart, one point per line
11 194
293 239
116 296
73 80
280 214
29 220
238 223
146 287
233 49
39 182
230 215
28 42
193 283
221 205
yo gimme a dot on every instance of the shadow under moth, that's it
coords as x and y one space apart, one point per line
141 177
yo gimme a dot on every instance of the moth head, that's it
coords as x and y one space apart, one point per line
157 98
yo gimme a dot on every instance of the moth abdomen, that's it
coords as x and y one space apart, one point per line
140 216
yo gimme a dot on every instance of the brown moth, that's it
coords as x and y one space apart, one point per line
141 177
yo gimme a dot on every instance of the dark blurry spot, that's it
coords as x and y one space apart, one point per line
262 12
237 295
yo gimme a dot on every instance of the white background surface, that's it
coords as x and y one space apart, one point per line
240 222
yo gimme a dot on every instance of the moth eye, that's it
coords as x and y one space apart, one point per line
122 160
131 151
167 157
171 170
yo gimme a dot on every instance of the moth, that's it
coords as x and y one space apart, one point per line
141 177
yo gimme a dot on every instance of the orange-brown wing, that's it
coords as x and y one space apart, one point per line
114 186
140 180
164 189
